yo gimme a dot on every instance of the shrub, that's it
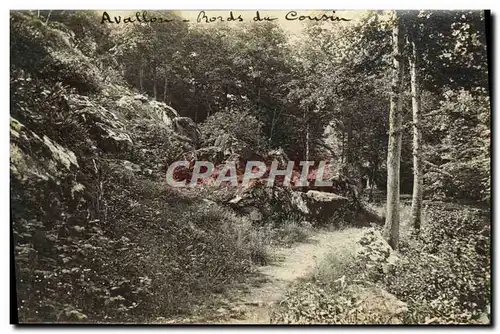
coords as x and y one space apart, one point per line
245 128
445 274
459 142
147 249
47 53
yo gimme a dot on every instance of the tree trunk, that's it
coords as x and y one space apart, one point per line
48 17
165 88
416 204
343 146
273 124
349 142
155 90
141 78
307 134
391 229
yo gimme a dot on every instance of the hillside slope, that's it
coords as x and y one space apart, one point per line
97 236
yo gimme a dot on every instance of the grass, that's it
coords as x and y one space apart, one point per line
338 293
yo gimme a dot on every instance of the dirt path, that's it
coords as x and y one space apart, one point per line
298 262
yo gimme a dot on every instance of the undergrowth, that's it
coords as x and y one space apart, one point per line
440 277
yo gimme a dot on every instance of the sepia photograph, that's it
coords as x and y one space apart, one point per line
242 167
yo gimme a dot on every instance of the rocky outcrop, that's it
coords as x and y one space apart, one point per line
38 158
261 202
106 127
187 128
322 206
375 305
375 252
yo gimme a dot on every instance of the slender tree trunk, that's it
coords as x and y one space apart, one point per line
391 229
307 134
372 182
343 145
349 142
273 124
416 204
141 78
165 88
155 90
48 17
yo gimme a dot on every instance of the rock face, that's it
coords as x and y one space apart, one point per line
36 158
186 127
105 126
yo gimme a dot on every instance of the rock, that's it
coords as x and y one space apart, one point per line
141 98
212 154
111 140
376 252
138 106
376 301
105 126
38 159
164 112
186 127
322 206
261 202
299 202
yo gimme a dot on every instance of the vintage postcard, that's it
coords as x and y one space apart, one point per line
250 167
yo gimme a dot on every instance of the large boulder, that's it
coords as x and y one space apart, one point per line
322 206
375 305
261 202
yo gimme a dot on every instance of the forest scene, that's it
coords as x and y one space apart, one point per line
379 121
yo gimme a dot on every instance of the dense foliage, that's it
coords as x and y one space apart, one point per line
443 277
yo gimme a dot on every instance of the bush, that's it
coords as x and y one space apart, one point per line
445 274
459 142
242 126
44 108
148 252
47 53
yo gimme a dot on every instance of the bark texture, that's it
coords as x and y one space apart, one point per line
391 229
416 204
